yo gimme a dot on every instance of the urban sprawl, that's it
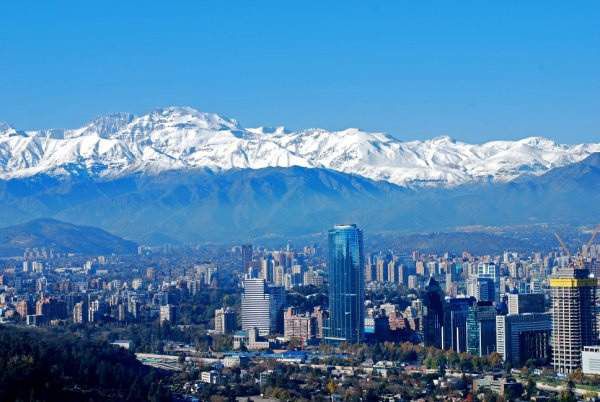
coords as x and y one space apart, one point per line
334 323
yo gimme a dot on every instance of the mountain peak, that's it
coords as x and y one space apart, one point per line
189 115
537 141
103 126
443 139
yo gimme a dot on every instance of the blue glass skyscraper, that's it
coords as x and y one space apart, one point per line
346 285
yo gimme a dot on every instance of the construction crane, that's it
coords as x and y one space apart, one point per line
594 233
580 258
562 244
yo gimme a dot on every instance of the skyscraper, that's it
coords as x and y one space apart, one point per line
481 329
433 320
455 323
573 320
346 285
482 288
262 306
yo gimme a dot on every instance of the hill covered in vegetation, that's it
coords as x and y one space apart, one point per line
47 365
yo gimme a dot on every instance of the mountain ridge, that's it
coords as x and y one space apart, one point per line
183 139
237 205
62 237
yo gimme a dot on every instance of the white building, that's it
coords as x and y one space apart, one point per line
590 360
262 306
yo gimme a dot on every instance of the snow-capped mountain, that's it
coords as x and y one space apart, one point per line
181 138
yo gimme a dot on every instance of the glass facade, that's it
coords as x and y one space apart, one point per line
346 285
481 329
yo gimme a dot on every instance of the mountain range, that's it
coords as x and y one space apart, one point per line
184 139
179 175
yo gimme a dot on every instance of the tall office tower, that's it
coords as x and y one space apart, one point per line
455 323
520 337
224 320
433 318
481 288
481 329
525 303
573 319
262 306
346 285
167 314
246 256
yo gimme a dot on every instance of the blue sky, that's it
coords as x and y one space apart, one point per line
474 70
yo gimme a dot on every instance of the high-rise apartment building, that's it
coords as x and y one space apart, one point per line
573 317
80 312
299 326
346 285
224 320
167 314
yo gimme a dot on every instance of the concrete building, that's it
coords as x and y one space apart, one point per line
483 289
573 317
224 320
299 326
590 360
210 377
525 303
80 313
262 306
520 337
167 314
320 317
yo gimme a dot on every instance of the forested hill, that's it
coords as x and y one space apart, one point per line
46 365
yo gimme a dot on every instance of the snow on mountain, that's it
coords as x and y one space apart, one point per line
180 138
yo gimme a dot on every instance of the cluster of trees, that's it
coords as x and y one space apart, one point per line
51 365
442 359
199 309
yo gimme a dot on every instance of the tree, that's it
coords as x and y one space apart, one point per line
331 387
495 359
